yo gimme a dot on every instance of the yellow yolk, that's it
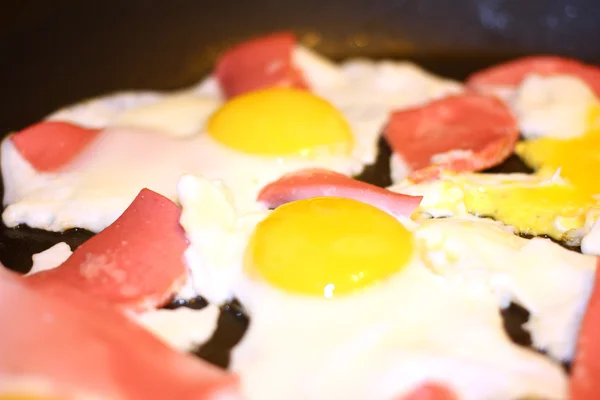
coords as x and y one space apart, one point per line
281 121
327 246
550 208
577 158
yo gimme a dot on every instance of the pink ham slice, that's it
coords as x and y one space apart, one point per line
512 73
585 375
467 132
70 344
48 146
430 391
135 263
316 182
259 63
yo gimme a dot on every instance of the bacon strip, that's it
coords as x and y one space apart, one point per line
48 146
512 73
317 182
430 391
70 345
136 263
466 132
259 63
585 375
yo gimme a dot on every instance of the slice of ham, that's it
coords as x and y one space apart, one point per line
512 73
48 146
467 132
135 263
66 345
317 182
259 63
585 375
430 391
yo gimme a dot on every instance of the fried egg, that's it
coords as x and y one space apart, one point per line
247 142
344 292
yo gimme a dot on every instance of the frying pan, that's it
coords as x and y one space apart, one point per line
58 52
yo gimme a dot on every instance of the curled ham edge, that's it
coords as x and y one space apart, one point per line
136 263
316 182
78 346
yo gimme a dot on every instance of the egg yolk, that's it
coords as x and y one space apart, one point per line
279 122
549 208
327 246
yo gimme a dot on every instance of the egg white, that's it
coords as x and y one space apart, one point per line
552 283
182 328
385 341
382 341
50 258
555 106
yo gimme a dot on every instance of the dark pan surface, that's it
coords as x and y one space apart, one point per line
56 53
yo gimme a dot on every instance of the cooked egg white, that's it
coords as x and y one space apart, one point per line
590 244
182 328
50 258
551 282
100 112
344 291
558 106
